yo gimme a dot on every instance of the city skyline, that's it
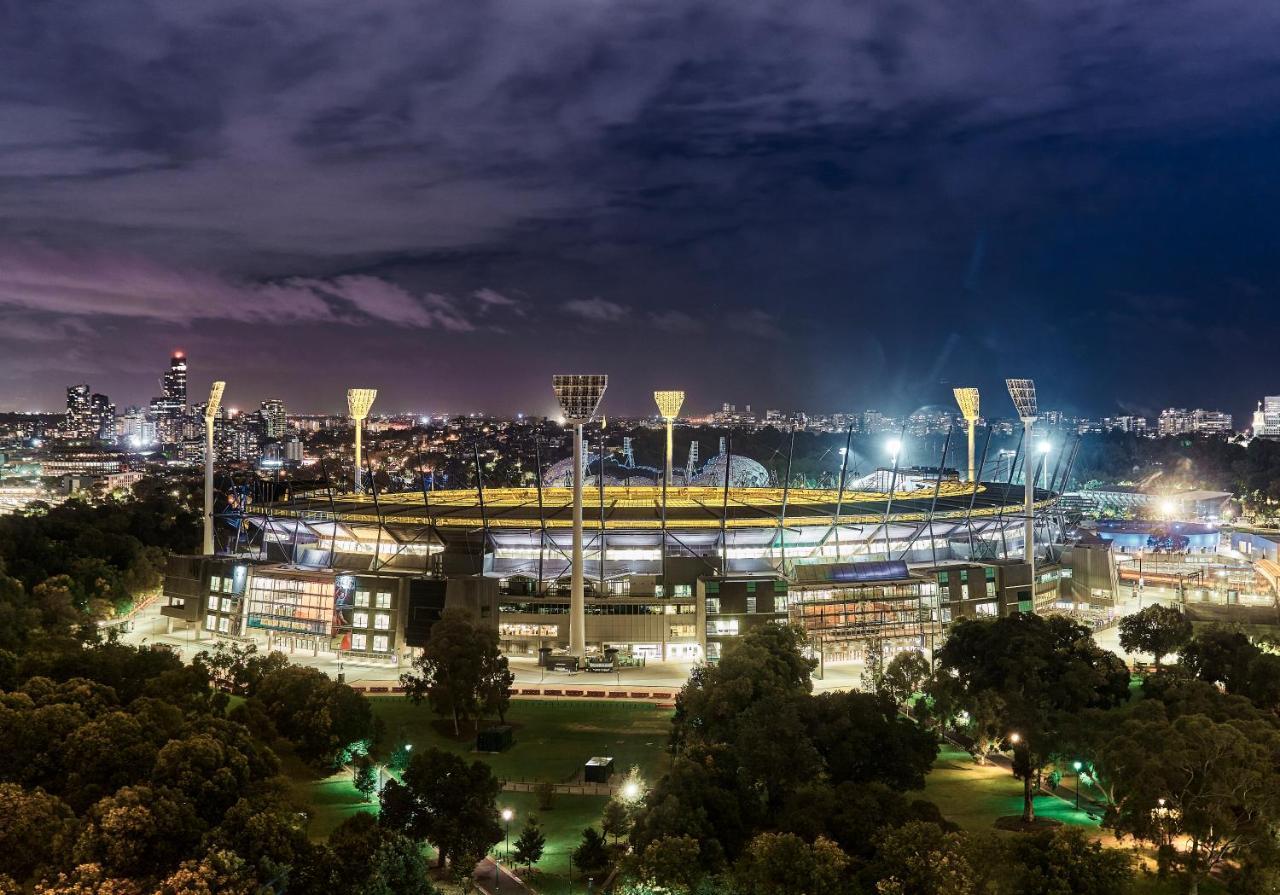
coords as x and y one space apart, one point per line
790 206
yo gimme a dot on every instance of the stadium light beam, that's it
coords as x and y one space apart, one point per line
359 402
967 398
1023 393
210 414
579 397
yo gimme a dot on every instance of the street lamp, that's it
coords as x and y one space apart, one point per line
507 814
210 415
1078 766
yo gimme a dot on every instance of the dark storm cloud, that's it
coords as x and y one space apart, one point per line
862 184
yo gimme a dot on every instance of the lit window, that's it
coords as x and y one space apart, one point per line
226 604
751 604
211 622
215 583
360 620
228 585
382 621
213 602
224 624
384 601
986 608
362 598
684 590
713 605
358 641
380 644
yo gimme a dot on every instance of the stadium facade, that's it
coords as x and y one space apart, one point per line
886 563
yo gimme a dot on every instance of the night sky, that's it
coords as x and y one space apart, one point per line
814 205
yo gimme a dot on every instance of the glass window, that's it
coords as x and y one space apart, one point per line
713 605
686 590
226 604
944 578
382 621
215 583
751 604
964 575
384 601
358 641
362 598
360 619
964 591
211 622
224 624
986 608
213 602
380 644
751 587
228 585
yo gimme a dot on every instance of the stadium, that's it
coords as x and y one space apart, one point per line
665 564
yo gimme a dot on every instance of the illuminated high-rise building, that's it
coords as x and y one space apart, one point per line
169 410
274 419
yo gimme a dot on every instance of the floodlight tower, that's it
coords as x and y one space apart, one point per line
359 400
669 404
579 396
967 398
210 413
1023 393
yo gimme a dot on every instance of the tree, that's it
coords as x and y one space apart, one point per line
1040 672
1207 792
140 831
368 858
530 844
319 716
36 831
904 676
496 678
1220 656
591 853
217 873
457 670
1157 629
672 862
447 802
616 820
364 776
784 864
922 859
1065 860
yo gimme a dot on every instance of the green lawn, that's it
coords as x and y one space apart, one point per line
973 796
554 738
563 826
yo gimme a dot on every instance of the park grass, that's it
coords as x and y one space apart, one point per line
974 796
553 738
562 825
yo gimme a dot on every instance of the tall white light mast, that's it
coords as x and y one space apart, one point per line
579 397
1023 393
359 401
967 398
210 414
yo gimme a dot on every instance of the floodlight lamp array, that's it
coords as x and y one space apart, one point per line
669 403
1023 393
579 394
967 398
215 401
359 401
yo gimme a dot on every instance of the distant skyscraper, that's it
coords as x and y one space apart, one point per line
102 415
169 410
1267 419
77 422
274 420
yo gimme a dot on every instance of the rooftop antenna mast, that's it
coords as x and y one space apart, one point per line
359 401
579 396
210 414
967 398
1023 393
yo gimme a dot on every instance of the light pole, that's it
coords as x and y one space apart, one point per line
579 396
359 401
968 400
1023 393
1078 766
210 414
1045 449
507 814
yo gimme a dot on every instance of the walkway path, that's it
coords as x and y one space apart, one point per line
494 879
